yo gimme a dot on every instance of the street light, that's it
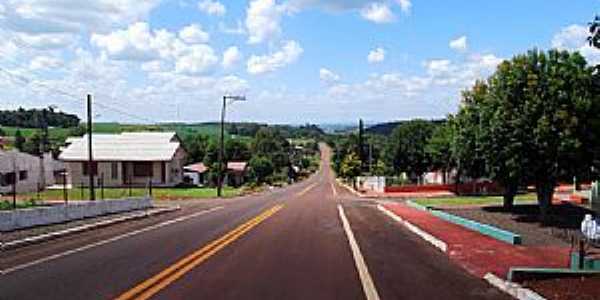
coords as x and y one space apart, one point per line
222 145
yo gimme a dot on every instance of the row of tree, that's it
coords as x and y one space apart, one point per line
535 121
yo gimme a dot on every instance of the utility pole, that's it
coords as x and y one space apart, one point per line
43 146
90 157
14 183
222 141
221 148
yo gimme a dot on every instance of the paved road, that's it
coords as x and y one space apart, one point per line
287 244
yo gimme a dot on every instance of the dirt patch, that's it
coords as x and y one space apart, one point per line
567 288
564 222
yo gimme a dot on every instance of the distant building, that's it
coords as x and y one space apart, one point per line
195 173
26 171
236 173
129 158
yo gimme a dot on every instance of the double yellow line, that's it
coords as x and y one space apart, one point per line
155 284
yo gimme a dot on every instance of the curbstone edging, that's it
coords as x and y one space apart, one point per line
53 235
441 245
511 288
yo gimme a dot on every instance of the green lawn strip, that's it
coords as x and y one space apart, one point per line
472 200
120 193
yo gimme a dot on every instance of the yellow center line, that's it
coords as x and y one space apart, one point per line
304 191
153 285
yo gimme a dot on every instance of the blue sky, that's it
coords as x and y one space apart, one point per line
323 61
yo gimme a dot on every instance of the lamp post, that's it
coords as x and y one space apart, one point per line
222 142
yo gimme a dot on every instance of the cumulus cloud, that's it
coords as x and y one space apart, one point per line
378 13
328 76
193 34
574 38
213 8
263 19
231 56
376 56
288 54
139 43
459 44
405 5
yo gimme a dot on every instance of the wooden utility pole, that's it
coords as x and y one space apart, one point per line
221 149
90 168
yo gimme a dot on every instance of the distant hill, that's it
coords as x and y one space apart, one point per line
387 128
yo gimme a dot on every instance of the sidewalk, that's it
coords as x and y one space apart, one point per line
478 253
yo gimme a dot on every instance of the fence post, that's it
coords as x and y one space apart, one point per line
150 187
102 186
82 189
65 192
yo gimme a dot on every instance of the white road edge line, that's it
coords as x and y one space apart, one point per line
104 242
511 288
363 272
441 245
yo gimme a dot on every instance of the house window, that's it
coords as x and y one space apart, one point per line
23 175
114 170
142 169
7 179
84 165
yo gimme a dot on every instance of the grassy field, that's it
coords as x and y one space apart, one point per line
118 193
472 200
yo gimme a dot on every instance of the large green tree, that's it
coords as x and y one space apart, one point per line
439 148
406 150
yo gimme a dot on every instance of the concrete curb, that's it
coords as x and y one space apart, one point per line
483 228
53 235
441 245
511 288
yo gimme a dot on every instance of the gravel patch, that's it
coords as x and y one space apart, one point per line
524 220
567 288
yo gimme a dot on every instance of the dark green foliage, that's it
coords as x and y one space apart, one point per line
261 168
406 150
31 118
19 140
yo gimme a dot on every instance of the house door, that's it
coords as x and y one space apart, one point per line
126 172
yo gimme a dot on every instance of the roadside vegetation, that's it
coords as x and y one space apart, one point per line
535 121
473 200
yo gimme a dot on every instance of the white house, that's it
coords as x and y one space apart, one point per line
28 172
129 158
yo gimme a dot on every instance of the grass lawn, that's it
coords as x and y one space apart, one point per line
8 205
472 200
118 193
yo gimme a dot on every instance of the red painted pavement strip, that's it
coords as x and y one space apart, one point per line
478 253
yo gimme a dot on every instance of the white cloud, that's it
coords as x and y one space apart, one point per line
193 34
214 8
574 38
45 62
237 29
405 5
139 43
196 59
231 56
328 76
378 13
376 56
133 43
263 20
459 44
289 53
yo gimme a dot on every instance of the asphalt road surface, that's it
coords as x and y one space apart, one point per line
311 240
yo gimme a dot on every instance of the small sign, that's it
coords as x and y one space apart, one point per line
590 228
